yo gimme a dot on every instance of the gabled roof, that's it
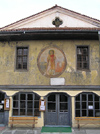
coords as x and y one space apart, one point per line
40 26
45 18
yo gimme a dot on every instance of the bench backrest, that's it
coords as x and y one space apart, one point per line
87 118
23 118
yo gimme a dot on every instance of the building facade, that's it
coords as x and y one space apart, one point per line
53 55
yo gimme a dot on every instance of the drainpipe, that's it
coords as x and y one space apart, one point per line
99 52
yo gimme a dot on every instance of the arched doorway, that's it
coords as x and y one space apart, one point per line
2 113
58 109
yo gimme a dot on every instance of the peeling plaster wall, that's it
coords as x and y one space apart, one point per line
10 76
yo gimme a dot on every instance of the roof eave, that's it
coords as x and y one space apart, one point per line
48 34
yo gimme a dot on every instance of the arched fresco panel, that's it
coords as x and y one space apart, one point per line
51 62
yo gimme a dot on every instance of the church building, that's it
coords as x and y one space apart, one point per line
50 68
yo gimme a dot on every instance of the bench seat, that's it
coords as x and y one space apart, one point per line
87 120
23 120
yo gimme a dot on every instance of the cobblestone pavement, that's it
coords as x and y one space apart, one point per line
21 131
38 131
86 131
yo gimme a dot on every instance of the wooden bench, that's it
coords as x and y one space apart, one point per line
87 120
23 120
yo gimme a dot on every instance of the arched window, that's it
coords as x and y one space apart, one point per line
26 104
87 104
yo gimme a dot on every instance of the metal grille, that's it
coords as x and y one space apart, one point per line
21 60
82 57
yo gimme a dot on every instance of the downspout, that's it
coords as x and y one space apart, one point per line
99 53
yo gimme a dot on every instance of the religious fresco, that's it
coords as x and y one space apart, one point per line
51 62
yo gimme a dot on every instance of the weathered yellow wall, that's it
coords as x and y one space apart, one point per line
10 76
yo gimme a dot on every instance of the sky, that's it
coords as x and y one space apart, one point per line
14 10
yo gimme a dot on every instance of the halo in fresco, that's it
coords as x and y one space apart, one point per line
51 62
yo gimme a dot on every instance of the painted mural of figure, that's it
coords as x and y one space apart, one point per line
51 63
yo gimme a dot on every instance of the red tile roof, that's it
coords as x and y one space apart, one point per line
54 29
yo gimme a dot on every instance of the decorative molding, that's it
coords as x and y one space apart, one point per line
40 87
57 22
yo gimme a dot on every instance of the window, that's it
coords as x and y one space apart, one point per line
82 57
26 104
87 104
21 59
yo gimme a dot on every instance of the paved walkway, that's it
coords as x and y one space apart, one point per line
38 131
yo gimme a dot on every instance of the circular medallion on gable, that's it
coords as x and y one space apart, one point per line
51 62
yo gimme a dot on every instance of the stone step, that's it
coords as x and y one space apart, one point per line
58 133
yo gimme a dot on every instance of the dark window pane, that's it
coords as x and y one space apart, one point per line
90 97
83 105
22 111
37 97
29 112
84 58
63 106
63 98
79 65
84 97
90 103
90 113
36 112
51 106
51 98
24 65
36 104
96 98
30 97
15 104
85 65
15 112
22 104
22 96
79 58
30 104
78 98
15 97
96 105
77 113
77 105
2 97
83 112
